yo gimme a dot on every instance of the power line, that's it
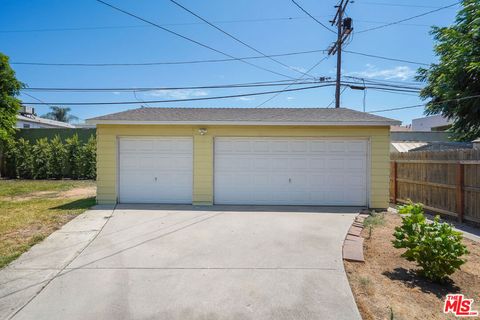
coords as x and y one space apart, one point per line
410 18
144 26
160 62
287 88
190 39
424 104
311 16
234 38
396 5
146 89
385 58
175 100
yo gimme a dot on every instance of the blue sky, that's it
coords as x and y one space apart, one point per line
123 39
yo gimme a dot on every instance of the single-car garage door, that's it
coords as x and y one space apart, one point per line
290 171
155 170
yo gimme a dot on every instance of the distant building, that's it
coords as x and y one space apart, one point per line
431 123
27 119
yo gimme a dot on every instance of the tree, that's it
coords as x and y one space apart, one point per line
9 105
454 81
60 114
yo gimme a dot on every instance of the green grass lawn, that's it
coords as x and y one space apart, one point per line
27 216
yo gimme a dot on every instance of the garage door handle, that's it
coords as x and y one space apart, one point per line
289 180
155 179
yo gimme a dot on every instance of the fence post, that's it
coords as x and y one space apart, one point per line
395 184
460 196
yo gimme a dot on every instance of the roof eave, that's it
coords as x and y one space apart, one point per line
246 123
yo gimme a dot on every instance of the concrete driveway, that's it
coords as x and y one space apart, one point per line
181 262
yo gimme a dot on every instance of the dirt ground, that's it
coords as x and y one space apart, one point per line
387 285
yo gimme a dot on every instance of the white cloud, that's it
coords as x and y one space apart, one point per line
290 98
179 94
400 72
245 98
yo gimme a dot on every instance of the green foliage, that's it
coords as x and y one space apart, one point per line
51 159
41 158
457 74
74 157
24 158
60 114
9 105
89 158
435 247
58 154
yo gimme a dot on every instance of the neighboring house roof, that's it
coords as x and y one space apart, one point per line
419 136
400 128
406 146
46 123
260 116
440 146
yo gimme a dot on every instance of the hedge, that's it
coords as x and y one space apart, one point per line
51 159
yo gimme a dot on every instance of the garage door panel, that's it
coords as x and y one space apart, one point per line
155 170
290 171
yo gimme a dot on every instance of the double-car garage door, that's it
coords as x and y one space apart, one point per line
264 171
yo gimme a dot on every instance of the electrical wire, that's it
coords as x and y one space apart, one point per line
145 89
385 58
311 16
396 5
424 104
175 100
191 40
410 18
286 89
161 63
235 38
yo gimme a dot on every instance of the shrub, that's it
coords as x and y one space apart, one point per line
24 159
40 158
10 148
74 158
56 165
89 159
435 247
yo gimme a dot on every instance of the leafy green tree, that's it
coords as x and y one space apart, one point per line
58 153
41 158
60 114
24 159
74 157
11 160
453 81
9 105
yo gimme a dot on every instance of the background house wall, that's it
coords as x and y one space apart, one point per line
203 153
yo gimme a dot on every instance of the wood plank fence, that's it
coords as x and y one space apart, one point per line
445 182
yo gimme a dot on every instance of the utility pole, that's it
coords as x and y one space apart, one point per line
344 28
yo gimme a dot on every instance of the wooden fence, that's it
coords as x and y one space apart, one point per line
446 182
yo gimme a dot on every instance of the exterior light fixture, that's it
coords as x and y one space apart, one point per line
202 131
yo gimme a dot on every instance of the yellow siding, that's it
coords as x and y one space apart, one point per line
107 136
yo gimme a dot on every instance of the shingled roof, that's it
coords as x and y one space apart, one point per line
284 116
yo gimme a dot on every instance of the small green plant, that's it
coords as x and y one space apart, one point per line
89 159
435 247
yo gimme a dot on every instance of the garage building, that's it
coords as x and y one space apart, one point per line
264 156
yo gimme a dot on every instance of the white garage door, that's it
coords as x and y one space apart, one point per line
289 171
155 170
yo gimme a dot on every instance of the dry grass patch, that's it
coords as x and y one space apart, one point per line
31 210
386 286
